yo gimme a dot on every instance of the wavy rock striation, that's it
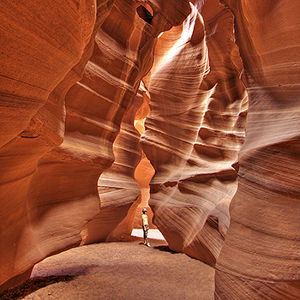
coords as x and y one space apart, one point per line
37 51
69 100
195 130
260 257
95 107
117 187
48 195
42 56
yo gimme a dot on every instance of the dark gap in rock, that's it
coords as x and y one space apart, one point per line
145 14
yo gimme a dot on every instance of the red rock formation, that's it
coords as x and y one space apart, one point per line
38 49
56 193
194 131
117 187
143 175
57 137
260 257
144 170
95 107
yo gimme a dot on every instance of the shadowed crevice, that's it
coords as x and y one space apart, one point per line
165 249
32 285
145 14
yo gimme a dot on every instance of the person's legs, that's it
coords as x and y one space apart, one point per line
145 235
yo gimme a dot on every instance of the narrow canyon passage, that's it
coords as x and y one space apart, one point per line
189 108
118 271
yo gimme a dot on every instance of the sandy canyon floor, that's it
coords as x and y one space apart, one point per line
118 271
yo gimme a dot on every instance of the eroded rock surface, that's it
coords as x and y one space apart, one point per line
38 50
48 195
117 187
260 257
69 74
194 131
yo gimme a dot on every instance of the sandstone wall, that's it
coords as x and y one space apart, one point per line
47 196
38 50
69 74
117 186
260 257
195 130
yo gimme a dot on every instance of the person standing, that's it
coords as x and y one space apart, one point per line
145 226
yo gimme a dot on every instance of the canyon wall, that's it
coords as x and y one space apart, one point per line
117 187
57 135
42 54
195 130
260 257
74 169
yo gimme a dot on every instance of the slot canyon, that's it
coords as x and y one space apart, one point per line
188 108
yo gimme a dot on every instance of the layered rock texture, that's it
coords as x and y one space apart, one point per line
117 187
261 255
100 98
42 55
194 131
57 135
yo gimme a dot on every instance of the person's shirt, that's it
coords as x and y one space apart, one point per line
145 219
